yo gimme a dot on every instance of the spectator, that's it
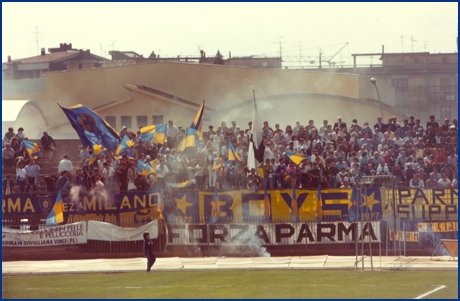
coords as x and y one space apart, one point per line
20 175
8 135
20 135
162 173
8 185
254 181
431 182
65 165
415 182
7 156
455 182
108 174
32 174
444 182
436 175
382 169
84 155
50 183
432 123
63 184
16 146
122 174
48 145
171 135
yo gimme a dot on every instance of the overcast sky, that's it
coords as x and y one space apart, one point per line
172 29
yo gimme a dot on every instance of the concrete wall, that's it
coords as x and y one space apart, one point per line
221 86
17 87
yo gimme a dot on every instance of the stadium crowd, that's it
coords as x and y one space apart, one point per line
333 155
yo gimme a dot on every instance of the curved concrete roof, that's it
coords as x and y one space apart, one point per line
11 109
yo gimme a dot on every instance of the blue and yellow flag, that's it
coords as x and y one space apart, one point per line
232 155
267 206
319 206
56 215
197 122
98 150
191 138
296 157
197 125
153 133
215 211
144 168
91 128
218 163
32 148
183 184
125 148
294 207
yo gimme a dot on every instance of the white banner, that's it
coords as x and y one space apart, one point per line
110 232
50 236
272 233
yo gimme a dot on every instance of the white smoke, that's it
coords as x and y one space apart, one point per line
248 242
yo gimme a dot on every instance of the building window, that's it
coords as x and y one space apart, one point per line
444 59
401 85
445 112
141 121
127 121
445 85
416 60
157 119
112 120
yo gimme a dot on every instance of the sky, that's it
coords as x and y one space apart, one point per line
303 29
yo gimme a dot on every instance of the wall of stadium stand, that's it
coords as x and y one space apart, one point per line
129 249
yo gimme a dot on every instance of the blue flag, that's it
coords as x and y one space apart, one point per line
215 211
294 206
368 203
91 128
319 206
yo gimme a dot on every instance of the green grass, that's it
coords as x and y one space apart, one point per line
266 284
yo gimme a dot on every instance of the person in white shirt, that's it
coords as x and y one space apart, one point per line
383 169
171 135
162 173
65 165
416 182
452 159
454 183
108 173
444 182
217 140
397 140
84 155
21 176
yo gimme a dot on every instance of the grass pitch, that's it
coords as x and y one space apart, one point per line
224 284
